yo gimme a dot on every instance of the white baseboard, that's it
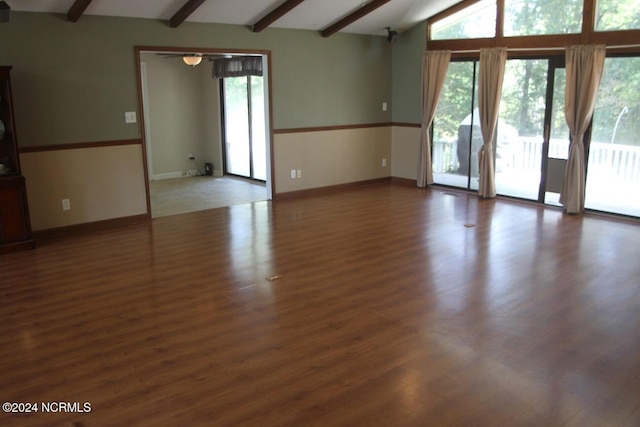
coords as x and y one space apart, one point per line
171 175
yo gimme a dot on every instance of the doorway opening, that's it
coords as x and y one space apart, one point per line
184 135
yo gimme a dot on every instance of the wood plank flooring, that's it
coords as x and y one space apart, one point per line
389 312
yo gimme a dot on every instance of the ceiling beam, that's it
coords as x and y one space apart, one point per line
77 9
350 19
187 9
276 14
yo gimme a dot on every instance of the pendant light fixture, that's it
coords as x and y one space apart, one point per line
192 60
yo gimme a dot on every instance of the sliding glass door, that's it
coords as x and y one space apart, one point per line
557 139
532 143
531 132
520 139
244 127
456 128
258 129
613 168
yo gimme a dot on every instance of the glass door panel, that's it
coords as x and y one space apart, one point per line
456 131
558 140
245 127
613 168
520 131
237 138
258 129
559 131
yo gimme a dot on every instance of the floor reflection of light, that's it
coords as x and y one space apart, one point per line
250 250
262 291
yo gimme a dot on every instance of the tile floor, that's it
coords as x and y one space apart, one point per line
182 195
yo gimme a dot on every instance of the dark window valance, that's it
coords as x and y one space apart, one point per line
239 66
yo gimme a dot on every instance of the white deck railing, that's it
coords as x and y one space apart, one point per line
621 162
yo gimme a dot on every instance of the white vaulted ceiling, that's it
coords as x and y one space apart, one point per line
309 15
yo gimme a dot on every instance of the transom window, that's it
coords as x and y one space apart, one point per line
475 21
562 22
540 17
614 15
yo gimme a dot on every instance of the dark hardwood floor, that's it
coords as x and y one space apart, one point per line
391 306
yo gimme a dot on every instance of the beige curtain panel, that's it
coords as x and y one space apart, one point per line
584 65
492 62
434 72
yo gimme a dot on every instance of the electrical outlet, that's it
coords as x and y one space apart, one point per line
130 117
191 156
384 106
384 163
66 205
299 173
293 174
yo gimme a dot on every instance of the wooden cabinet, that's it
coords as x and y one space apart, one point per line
15 227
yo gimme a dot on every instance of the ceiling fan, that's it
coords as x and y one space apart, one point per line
193 59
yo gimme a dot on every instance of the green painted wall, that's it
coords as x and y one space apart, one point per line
73 81
406 74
